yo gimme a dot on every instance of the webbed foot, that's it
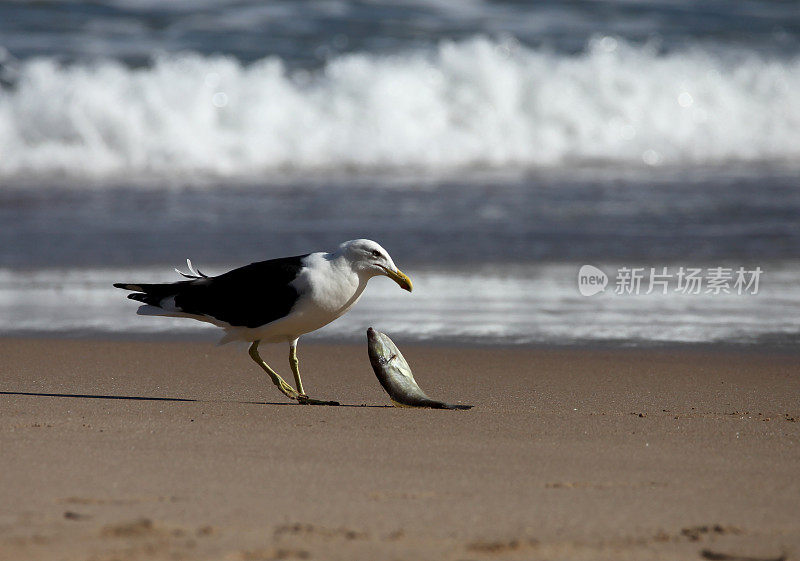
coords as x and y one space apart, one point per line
303 399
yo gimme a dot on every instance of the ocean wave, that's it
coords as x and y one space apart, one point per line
536 304
479 103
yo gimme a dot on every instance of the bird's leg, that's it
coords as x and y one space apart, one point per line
295 364
287 390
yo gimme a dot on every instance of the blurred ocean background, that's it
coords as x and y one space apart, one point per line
492 147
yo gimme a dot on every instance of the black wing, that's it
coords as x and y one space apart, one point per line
249 296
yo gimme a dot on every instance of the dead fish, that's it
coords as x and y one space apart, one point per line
395 375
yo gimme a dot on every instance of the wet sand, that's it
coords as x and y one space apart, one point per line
113 450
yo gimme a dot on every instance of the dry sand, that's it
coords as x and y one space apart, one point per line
135 450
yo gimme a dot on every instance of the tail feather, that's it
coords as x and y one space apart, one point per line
148 310
144 298
126 286
151 294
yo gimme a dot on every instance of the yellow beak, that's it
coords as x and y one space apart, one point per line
399 277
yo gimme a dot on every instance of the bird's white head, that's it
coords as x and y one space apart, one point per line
367 257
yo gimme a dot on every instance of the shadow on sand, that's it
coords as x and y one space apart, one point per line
176 399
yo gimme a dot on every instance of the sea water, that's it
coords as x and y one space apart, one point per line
494 148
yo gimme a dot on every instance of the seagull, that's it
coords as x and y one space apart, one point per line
274 301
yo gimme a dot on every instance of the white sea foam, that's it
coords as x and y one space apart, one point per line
531 304
474 104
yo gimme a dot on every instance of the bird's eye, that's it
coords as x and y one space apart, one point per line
376 253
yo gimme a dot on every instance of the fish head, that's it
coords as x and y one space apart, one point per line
386 357
381 349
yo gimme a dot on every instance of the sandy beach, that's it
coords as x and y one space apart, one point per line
142 450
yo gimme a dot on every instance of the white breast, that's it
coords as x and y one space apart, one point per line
328 288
